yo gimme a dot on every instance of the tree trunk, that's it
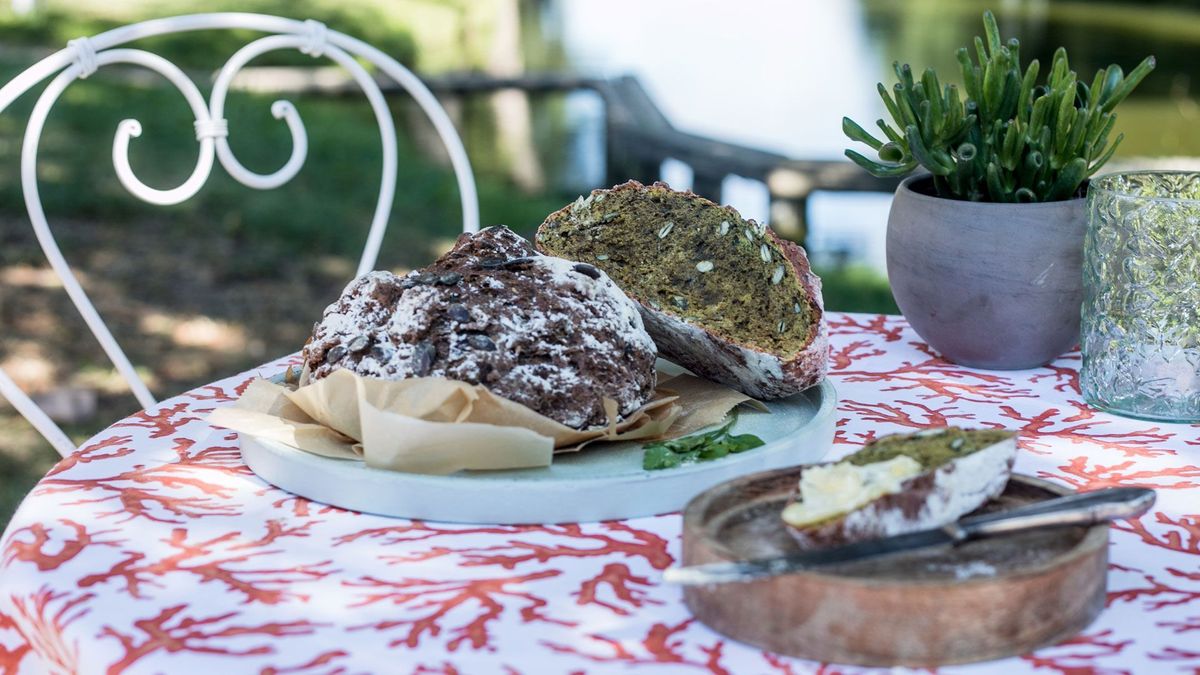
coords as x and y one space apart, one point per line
514 119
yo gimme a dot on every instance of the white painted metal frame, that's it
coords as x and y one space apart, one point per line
85 55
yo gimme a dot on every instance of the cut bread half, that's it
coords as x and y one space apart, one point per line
721 295
899 484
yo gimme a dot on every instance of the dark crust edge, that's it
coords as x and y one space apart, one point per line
801 370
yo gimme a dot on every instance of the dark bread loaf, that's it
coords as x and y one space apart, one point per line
556 336
899 484
722 296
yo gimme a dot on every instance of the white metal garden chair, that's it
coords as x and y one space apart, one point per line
85 55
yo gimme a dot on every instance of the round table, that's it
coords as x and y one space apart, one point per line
154 550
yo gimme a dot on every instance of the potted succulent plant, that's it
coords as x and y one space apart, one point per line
984 250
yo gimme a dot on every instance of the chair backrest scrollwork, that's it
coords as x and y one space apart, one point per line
83 56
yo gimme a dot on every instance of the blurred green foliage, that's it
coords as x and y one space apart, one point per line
57 23
856 288
327 207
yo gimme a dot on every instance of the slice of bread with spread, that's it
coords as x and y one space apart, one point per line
721 295
899 484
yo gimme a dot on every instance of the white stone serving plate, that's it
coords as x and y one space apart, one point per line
602 482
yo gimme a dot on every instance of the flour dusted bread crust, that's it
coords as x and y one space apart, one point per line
721 295
557 336
913 482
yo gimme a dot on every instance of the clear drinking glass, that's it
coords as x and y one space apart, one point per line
1141 297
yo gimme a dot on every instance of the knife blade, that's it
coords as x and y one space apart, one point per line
1081 509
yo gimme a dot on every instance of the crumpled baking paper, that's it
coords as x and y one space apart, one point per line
437 426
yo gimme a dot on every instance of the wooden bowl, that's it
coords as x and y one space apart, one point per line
986 599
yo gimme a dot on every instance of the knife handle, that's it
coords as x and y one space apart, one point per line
1085 508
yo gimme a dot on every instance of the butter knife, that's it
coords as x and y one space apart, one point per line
1081 509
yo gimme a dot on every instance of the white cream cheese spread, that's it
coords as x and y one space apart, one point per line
832 490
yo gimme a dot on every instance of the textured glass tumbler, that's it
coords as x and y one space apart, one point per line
1141 297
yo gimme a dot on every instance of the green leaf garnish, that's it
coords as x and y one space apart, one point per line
701 447
743 442
659 457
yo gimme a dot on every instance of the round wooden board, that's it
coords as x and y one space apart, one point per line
984 600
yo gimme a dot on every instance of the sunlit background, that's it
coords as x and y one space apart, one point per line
236 277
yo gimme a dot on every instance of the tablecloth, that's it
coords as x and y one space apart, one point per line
153 549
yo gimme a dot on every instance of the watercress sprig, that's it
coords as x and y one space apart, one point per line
702 447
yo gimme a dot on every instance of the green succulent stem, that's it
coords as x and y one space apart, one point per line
1003 137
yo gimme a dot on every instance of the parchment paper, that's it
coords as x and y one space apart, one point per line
437 426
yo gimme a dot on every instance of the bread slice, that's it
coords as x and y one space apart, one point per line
721 295
901 483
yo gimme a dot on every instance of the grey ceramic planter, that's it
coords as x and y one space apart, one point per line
995 286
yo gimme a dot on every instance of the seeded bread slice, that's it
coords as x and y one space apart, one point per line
721 295
929 479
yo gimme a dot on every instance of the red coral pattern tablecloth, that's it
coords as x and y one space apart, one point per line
153 549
